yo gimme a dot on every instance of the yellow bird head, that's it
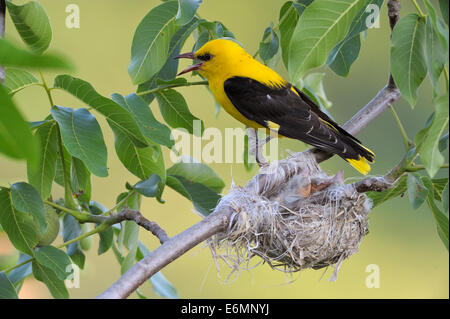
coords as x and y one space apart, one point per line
215 57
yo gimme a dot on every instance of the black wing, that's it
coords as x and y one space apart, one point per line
297 115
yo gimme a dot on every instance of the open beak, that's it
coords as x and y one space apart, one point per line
194 67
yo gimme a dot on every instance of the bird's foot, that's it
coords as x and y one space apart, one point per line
256 146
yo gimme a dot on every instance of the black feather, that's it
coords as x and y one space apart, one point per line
296 114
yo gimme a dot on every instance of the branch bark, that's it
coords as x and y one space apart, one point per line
138 218
219 220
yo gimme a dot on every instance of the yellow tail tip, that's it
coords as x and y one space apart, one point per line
361 164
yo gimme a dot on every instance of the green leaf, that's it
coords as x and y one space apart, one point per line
408 65
443 143
269 45
15 57
343 55
175 111
16 140
322 25
59 176
438 187
149 50
198 183
19 227
150 187
417 192
7 289
83 138
439 26
198 173
445 195
430 155
130 239
142 162
202 38
160 284
71 230
26 198
55 285
420 136
289 15
443 5
360 22
170 69
176 185
204 198
54 259
157 132
41 176
436 55
440 218
186 11
396 190
106 240
345 52
114 113
131 233
128 261
80 180
314 81
163 287
16 79
32 23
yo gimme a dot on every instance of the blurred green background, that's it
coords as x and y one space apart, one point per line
412 260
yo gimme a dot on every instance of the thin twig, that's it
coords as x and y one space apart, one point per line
406 141
138 218
171 86
104 223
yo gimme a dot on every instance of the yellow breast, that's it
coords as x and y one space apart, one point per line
221 97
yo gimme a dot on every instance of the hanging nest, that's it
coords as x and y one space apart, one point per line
293 216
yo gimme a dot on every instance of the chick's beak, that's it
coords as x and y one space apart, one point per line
194 67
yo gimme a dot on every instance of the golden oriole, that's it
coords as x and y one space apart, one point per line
259 97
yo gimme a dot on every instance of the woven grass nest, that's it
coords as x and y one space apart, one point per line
293 216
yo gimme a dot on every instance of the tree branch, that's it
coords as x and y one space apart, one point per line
138 218
104 223
219 219
166 253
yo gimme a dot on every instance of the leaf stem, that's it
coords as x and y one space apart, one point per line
406 141
18 265
416 168
109 211
96 230
170 86
24 87
418 9
68 199
67 191
82 217
47 90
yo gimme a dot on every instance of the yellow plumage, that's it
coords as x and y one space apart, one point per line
262 98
